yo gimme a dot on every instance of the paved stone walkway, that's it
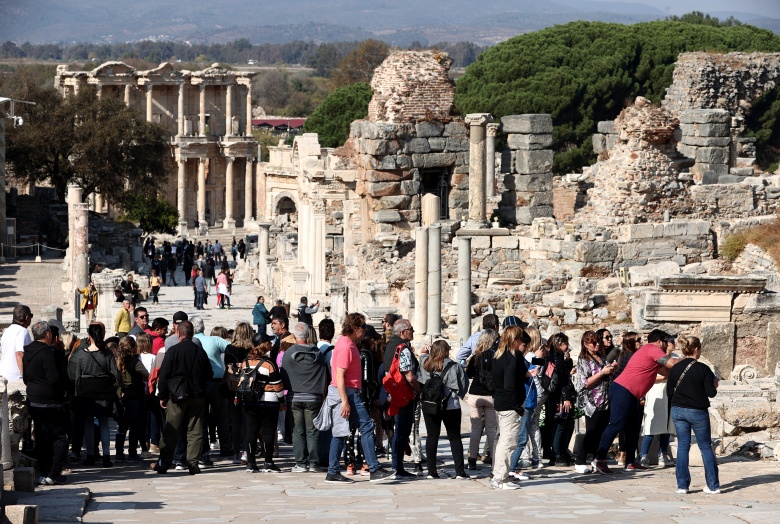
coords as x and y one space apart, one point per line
131 493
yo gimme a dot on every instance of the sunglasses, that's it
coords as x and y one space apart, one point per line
608 337
143 316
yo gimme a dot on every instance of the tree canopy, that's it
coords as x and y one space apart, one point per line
584 72
359 64
85 140
333 116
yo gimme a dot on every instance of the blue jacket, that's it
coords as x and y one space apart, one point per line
530 389
259 315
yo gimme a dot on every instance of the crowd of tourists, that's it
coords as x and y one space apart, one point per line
351 404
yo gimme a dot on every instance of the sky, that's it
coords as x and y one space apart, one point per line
770 8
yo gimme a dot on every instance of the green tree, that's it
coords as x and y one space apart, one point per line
84 140
332 118
359 64
152 214
583 72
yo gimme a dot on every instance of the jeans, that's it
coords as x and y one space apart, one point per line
696 420
305 436
663 444
594 428
200 296
479 407
260 419
51 439
404 421
218 405
326 437
522 438
155 415
451 420
93 410
360 417
534 451
623 413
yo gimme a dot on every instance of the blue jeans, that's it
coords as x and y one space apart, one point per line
522 438
623 412
663 444
360 417
199 297
698 420
404 421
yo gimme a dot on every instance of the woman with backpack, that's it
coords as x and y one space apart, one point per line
93 369
134 374
261 392
244 339
592 385
480 399
443 385
560 402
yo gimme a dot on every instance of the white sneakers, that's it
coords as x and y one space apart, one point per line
494 484
709 491
582 469
682 491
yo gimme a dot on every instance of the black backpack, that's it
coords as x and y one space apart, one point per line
435 393
251 384
485 369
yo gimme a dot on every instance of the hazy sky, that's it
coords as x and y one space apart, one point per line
769 8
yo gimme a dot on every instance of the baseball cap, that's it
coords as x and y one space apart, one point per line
180 316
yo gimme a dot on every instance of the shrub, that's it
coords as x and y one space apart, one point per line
733 245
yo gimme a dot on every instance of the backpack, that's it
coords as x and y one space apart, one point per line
251 384
485 369
396 385
435 393
549 378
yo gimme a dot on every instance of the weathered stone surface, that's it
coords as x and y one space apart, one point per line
456 129
595 251
385 176
380 189
387 216
699 141
417 145
772 346
410 187
428 128
437 143
529 162
535 182
391 202
718 345
606 126
599 143
526 215
457 144
374 147
705 116
403 162
712 155
509 242
753 415
433 160
536 141
527 124
645 275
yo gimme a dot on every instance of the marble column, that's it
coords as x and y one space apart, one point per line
99 91
202 111
476 122
181 195
80 246
229 222
128 90
431 207
75 194
318 273
260 193
464 289
149 104
421 280
249 108
202 225
229 111
490 160
434 280
98 202
303 228
262 244
180 116
248 190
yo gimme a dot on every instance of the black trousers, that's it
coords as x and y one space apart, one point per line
261 419
594 427
451 420
51 439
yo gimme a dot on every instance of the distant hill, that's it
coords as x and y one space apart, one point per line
399 22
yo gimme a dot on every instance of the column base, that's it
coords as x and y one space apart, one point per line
203 229
477 224
229 223
182 229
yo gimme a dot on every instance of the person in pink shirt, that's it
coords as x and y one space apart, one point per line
625 393
223 290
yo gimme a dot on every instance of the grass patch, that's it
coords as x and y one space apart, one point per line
766 236
733 245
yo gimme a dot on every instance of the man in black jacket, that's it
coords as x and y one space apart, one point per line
45 376
185 362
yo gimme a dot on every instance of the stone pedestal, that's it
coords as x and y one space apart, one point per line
464 289
105 288
477 204
431 209
421 280
434 280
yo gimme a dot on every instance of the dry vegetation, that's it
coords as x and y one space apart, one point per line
766 236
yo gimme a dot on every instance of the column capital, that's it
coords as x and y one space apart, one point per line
478 119
493 129
230 159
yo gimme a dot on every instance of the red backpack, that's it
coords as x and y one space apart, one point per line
396 385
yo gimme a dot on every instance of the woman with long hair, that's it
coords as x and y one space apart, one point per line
560 402
530 406
532 452
134 376
153 424
94 371
154 286
592 385
606 344
509 374
235 354
480 399
262 414
438 363
690 387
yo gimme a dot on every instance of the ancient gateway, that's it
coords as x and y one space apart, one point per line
208 114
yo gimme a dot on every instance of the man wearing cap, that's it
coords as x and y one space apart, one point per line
624 394
173 338
489 321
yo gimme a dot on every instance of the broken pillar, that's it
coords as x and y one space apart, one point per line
421 280
490 160
434 280
464 289
431 206
476 122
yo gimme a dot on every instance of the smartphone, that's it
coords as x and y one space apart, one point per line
536 361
